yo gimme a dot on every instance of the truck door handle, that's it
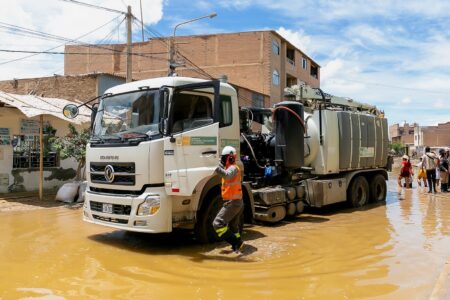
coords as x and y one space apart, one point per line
209 152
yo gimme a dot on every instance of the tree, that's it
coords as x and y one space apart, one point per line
398 147
73 145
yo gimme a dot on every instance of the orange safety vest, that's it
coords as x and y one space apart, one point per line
231 188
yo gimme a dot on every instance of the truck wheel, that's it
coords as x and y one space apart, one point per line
204 230
378 188
358 192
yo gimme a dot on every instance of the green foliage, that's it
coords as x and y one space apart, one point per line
72 145
398 147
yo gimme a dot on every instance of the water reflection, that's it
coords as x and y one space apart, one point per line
390 251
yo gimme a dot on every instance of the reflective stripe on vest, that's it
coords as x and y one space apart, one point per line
231 188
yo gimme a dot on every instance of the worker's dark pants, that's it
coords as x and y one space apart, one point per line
431 177
228 217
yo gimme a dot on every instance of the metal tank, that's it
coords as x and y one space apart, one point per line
345 140
289 133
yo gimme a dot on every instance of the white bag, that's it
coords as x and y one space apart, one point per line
81 191
68 192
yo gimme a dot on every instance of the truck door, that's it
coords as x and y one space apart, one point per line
191 150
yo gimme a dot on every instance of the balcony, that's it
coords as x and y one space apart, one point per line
290 58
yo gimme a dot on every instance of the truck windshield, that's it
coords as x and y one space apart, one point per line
129 115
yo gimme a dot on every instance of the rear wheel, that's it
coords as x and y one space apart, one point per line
358 192
204 230
378 188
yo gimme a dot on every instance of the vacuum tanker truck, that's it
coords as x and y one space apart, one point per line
156 143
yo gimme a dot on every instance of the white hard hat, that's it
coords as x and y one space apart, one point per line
405 156
228 150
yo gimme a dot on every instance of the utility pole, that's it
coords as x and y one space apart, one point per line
129 62
142 22
171 56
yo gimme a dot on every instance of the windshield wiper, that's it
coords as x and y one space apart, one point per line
134 135
96 140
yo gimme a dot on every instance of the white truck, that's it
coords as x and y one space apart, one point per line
155 145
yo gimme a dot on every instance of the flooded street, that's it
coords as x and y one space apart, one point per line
397 250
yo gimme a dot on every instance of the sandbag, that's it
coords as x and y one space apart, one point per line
81 191
68 192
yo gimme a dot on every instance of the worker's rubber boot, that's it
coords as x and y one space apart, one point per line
231 239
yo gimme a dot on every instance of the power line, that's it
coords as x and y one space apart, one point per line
109 35
94 6
67 40
82 36
75 53
162 40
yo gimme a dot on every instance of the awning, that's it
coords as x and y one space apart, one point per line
31 106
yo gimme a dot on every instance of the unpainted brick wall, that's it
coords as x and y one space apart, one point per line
65 87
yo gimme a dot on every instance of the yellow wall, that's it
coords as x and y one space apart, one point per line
11 118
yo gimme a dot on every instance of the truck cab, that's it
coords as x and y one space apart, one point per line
154 148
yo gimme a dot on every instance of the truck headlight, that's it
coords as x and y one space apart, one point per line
150 206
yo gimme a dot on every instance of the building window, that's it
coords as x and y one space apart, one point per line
304 63
257 100
290 55
290 80
275 77
26 152
276 47
314 71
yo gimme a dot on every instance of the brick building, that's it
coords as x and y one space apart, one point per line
403 134
433 136
261 62
416 137
76 87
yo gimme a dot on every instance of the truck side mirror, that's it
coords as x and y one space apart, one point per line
70 111
93 115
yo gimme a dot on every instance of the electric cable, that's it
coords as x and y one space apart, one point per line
94 6
82 36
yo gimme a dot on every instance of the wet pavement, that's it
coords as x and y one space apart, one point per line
396 250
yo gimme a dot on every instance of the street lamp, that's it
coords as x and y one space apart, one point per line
172 64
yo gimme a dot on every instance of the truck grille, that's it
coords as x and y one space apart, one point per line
124 173
118 209
111 220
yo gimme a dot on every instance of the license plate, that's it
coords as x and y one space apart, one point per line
107 208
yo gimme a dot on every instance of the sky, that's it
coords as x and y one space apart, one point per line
393 54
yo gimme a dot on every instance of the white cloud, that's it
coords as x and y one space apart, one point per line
325 10
236 4
406 100
62 19
439 103
363 33
298 38
331 69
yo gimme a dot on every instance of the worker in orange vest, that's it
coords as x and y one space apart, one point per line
226 223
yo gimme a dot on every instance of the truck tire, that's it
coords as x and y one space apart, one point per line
204 230
378 188
358 192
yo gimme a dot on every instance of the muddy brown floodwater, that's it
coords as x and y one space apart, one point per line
396 250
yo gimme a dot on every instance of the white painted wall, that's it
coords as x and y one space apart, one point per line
11 118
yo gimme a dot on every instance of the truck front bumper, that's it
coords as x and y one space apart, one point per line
122 211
